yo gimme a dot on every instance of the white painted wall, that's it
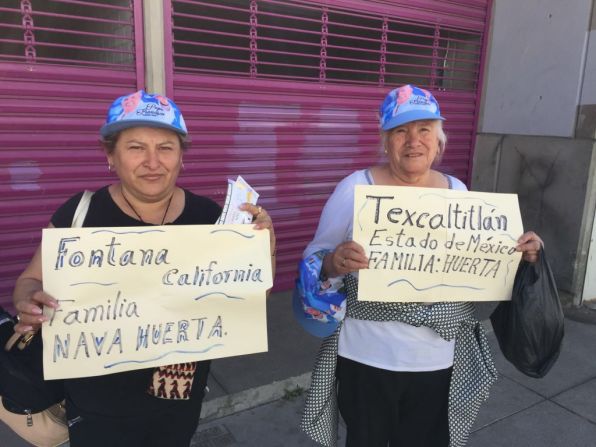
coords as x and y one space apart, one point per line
590 281
589 97
589 85
535 67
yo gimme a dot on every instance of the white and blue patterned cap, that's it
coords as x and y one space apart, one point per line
141 109
408 103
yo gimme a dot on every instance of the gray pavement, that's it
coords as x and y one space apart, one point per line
556 411
257 400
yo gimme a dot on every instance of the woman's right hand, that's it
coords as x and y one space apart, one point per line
347 257
29 300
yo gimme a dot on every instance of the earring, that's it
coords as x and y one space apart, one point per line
182 167
110 167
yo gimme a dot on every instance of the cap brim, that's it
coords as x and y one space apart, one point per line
112 128
408 117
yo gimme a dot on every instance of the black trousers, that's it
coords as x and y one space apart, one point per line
173 429
399 409
168 423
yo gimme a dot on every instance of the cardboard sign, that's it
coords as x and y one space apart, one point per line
427 244
140 297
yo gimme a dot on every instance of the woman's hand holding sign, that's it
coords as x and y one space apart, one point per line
263 221
530 245
347 257
29 299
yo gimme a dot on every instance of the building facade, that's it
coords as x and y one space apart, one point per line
536 135
285 94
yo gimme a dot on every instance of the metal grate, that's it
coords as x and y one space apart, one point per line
68 32
61 62
309 42
286 93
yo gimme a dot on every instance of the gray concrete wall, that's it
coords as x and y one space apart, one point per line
586 120
534 77
549 175
537 124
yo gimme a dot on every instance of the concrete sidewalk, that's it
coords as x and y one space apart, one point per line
558 410
257 400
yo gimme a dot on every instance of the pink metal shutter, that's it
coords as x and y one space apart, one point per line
61 64
286 93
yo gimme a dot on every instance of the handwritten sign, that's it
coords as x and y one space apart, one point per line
139 297
427 245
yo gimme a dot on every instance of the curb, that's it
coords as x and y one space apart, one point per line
254 397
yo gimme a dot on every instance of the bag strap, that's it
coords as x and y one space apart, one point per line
21 341
81 211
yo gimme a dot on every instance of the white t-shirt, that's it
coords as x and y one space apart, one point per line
390 345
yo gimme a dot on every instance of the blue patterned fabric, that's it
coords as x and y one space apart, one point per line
319 303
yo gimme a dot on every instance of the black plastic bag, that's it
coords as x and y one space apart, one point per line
22 386
530 327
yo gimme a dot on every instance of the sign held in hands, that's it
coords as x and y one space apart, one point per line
140 297
428 245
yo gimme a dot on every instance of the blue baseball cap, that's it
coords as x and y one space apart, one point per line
408 103
141 109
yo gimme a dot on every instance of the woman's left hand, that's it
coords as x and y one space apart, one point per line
530 245
262 221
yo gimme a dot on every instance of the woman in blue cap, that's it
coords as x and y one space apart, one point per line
396 382
144 138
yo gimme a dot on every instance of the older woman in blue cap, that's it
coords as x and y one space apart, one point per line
144 139
401 374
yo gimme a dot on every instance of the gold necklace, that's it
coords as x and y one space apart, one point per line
138 215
